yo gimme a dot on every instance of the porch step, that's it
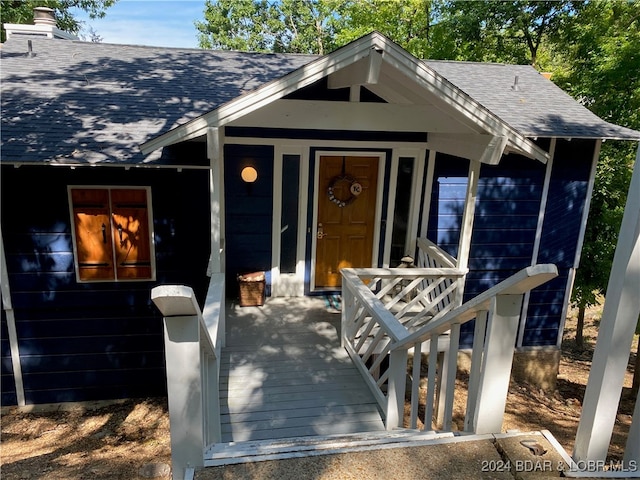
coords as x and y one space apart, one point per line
296 447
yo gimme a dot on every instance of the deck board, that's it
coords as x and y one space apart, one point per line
283 374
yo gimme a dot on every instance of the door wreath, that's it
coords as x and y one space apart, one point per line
355 189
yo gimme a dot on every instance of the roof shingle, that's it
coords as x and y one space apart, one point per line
80 102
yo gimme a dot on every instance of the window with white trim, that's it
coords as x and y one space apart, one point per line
112 233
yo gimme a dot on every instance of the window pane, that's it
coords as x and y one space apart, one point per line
289 218
401 212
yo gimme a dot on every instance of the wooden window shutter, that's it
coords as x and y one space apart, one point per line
93 234
131 236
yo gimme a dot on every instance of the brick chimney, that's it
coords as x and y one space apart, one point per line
44 26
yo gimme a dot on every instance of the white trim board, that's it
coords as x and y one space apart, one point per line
5 290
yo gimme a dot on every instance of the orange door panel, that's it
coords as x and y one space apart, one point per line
346 216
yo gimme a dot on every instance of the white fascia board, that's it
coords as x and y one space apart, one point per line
367 116
442 89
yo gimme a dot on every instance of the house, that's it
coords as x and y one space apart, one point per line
126 167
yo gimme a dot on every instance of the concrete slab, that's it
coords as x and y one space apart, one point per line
530 456
463 460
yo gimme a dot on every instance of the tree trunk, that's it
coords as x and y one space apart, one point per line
580 327
636 374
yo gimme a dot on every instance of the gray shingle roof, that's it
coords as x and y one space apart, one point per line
80 102
92 102
537 108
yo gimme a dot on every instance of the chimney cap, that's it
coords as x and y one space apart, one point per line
44 16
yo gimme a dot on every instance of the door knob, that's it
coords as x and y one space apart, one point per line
321 233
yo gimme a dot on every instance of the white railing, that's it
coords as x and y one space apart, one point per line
193 343
432 256
369 328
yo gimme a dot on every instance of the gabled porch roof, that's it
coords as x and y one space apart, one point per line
465 107
417 98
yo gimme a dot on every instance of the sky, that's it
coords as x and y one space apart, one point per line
163 23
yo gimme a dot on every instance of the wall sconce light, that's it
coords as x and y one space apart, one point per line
249 174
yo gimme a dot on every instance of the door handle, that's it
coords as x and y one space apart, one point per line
321 233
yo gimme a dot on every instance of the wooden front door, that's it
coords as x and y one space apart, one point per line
346 216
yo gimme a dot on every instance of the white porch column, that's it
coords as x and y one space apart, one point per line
619 319
501 330
466 229
215 142
11 326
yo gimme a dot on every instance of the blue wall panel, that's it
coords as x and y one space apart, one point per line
248 210
447 201
90 341
506 217
568 187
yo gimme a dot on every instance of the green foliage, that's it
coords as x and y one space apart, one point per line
291 26
506 31
21 11
411 23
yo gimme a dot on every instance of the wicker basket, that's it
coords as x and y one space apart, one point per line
252 288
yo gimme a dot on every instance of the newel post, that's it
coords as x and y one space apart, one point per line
396 388
181 313
501 331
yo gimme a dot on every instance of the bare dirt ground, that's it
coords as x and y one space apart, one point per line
130 439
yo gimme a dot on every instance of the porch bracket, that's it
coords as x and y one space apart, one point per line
365 71
493 153
12 332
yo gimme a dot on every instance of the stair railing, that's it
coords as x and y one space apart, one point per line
368 327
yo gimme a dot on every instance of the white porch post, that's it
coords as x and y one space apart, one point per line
184 381
215 142
396 389
466 229
619 319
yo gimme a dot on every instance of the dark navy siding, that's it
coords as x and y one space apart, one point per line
94 341
545 311
447 201
504 230
506 217
568 187
249 211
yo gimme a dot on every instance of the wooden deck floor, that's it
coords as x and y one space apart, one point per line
284 374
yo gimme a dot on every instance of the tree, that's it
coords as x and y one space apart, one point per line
599 64
21 11
513 31
413 24
508 31
291 26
